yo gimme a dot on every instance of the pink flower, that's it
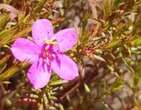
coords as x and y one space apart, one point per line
46 53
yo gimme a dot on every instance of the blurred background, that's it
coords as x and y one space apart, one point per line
108 53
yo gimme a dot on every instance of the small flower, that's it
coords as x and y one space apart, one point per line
46 53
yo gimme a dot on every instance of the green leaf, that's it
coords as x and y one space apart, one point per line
61 107
136 41
58 82
6 36
4 18
137 75
100 58
108 7
117 2
86 87
118 85
4 59
11 71
10 35
40 5
114 43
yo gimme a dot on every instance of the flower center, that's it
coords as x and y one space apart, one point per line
51 42
47 53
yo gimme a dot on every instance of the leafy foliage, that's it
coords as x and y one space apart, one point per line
108 54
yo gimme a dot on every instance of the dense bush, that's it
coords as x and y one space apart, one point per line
108 54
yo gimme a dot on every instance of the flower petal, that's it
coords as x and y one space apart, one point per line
66 39
24 49
42 30
65 67
38 75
